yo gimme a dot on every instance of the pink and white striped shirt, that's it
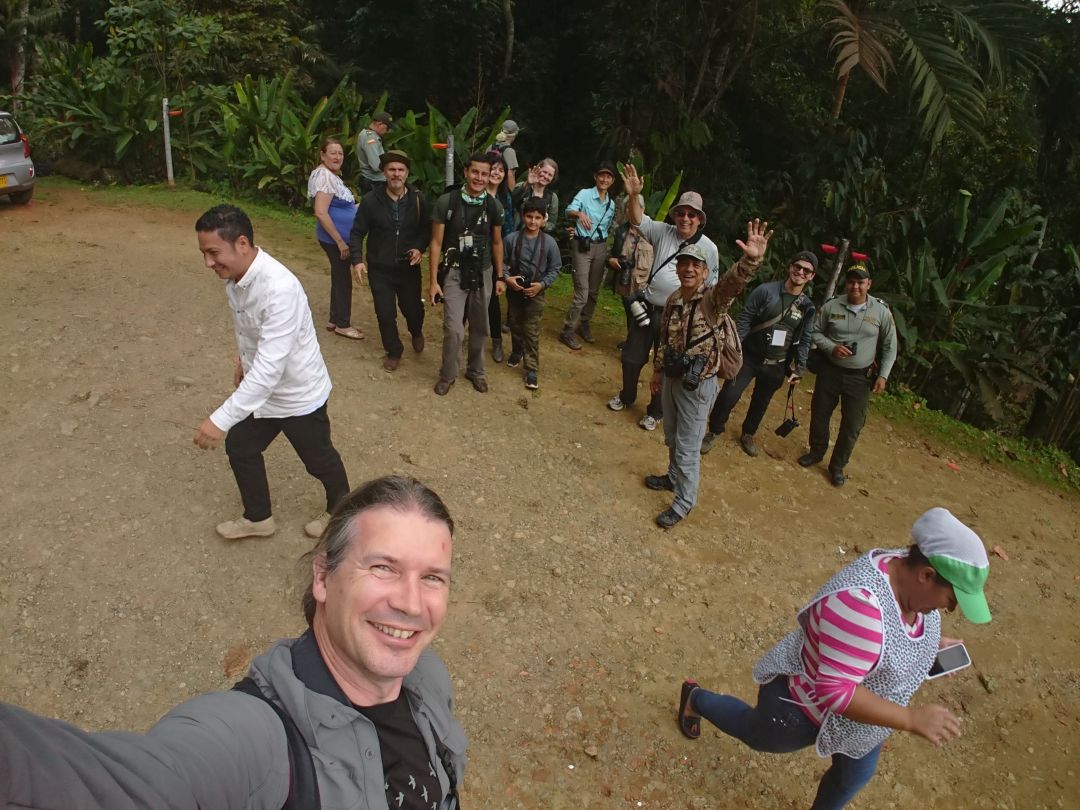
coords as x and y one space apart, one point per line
843 643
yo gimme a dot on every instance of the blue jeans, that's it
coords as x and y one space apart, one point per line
778 727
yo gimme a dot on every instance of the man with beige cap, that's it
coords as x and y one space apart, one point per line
688 216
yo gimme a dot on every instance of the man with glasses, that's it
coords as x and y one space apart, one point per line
775 328
667 240
857 335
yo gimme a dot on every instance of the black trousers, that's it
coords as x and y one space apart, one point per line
640 340
767 380
392 289
851 390
340 286
495 316
310 437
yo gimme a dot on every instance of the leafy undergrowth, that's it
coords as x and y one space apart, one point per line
1034 461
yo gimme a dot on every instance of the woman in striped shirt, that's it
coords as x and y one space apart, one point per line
842 680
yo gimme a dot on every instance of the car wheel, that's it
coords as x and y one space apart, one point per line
22 197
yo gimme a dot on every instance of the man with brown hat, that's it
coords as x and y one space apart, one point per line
667 240
857 336
396 221
369 149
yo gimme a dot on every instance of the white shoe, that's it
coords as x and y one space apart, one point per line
316 526
615 403
242 527
648 422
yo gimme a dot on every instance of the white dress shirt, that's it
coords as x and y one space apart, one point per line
284 372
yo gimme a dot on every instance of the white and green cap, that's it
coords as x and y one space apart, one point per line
958 554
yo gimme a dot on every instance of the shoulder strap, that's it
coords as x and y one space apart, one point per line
303 783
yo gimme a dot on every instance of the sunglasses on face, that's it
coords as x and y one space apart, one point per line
802 269
684 213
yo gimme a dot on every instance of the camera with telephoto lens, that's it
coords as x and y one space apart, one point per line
787 426
639 311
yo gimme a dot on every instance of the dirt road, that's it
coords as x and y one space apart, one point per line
573 618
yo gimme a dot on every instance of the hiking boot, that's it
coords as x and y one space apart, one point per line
708 442
616 403
648 422
479 382
391 363
810 459
497 351
746 442
514 360
316 526
586 332
442 387
531 381
659 482
837 477
418 343
668 518
242 527
567 338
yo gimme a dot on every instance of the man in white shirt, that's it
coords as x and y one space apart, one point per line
281 380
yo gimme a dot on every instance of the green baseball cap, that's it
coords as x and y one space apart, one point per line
958 554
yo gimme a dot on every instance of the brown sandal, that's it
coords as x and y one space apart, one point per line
350 332
689 726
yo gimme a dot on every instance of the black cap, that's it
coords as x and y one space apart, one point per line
805 256
606 166
858 271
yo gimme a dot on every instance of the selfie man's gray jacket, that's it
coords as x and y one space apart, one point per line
226 750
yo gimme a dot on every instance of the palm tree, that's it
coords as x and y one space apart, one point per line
950 52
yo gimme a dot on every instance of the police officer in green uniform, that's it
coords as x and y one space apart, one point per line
856 335
775 327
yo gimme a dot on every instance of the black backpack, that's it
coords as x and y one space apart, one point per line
303 783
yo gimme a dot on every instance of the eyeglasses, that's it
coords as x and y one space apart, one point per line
802 269
684 213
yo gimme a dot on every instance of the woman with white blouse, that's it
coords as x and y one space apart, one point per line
335 209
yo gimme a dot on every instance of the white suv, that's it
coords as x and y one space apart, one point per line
16 168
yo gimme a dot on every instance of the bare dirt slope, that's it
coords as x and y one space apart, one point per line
573 618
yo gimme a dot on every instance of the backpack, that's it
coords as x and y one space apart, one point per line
637 250
727 342
303 783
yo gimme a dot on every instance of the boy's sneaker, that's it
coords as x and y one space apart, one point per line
648 422
615 403
530 380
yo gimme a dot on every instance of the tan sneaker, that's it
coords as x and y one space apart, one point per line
242 527
314 528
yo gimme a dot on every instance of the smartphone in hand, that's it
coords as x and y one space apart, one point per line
949 660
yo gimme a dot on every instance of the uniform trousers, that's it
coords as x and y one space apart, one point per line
851 390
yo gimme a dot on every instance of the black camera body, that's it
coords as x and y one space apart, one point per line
787 426
403 260
582 243
625 268
688 366
852 347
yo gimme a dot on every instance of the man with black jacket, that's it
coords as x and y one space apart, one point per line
775 328
396 220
